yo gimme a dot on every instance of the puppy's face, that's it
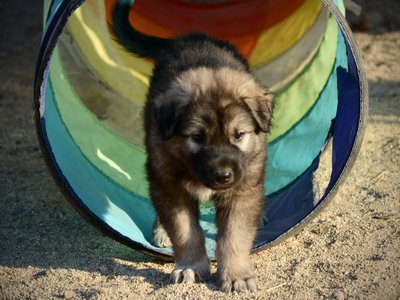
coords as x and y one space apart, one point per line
219 141
217 120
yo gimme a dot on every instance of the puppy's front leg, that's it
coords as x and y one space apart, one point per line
237 221
179 215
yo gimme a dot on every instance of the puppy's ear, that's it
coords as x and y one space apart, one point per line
169 109
261 104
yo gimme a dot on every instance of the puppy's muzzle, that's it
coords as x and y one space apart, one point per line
222 175
224 170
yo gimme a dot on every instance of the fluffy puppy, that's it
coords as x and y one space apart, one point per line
205 120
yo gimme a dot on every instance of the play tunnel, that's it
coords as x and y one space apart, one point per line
89 94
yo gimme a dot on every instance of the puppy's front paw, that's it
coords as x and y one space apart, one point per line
239 285
196 273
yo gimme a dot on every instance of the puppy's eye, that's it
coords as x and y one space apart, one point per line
239 135
198 138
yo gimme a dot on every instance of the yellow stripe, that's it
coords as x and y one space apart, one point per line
281 71
124 73
279 38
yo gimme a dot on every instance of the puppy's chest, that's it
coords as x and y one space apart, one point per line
198 191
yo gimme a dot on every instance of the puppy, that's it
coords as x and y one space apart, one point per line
206 120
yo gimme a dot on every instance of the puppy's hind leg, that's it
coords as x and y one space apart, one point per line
179 215
160 236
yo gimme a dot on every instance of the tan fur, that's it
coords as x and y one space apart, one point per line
199 191
201 80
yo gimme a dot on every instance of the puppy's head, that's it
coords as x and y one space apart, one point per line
217 121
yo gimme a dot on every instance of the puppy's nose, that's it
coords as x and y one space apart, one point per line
223 175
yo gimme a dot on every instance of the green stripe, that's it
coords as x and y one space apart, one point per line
114 157
293 103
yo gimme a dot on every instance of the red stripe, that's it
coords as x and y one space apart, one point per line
233 18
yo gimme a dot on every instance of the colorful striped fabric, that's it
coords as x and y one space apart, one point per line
89 95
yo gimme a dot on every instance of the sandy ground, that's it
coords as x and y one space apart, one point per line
47 251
